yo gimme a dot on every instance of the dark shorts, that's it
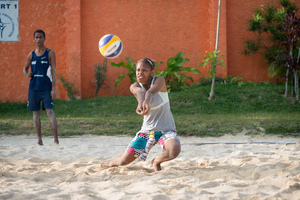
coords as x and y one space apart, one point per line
35 97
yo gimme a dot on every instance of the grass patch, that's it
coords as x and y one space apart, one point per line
254 108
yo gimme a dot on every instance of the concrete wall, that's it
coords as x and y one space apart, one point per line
157 29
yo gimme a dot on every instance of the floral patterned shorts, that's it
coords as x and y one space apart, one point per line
141 144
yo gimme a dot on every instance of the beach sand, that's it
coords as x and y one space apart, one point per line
229 167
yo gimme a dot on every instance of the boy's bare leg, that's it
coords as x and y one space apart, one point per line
53 124
37 125
172 149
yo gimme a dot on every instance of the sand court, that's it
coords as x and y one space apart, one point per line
229 167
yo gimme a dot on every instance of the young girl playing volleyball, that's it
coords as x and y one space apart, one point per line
158 124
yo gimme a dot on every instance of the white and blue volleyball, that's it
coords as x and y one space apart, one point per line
110 46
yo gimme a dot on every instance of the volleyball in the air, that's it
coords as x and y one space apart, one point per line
110 46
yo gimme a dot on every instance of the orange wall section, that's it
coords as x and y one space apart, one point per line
73 44
33 15
153 29
149 28
251 68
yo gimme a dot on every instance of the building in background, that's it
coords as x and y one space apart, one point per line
148 28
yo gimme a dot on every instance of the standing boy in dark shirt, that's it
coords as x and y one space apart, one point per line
42 87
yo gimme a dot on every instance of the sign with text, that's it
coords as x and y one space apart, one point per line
9 20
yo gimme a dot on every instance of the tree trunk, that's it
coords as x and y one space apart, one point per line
286 82
211 94
296 84
296 76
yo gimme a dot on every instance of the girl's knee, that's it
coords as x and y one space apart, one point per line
173 149
174 152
